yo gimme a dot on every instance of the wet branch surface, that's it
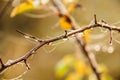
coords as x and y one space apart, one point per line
47 41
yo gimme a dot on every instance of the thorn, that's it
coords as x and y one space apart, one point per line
2 64
110 37
65 36
95 19
27 65
103 21
20 32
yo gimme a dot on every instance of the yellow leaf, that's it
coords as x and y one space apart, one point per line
102 68
61 69
71 7
65 23
26 6
80 67
86 36
68 1
30 1
73 76
64 66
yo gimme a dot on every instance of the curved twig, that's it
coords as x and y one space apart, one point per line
46 41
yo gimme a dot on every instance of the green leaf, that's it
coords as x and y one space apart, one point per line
61 69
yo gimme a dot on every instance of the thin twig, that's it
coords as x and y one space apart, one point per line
29 36
27 65
111 37
63 12
2 64
46 41
95 19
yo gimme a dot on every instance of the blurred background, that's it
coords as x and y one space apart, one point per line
43 64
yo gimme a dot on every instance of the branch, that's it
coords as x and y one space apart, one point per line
2 64
29 36
62 11
47 41
95 19
82 44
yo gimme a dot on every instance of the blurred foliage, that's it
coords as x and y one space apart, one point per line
65 23
86 36
69 67
26 6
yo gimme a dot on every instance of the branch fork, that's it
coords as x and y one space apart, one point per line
27 65
62 10
2 64
46 41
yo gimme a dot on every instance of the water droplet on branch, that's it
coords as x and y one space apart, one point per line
65 39
110 49
27 37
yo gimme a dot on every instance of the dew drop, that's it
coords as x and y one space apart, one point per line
26 37
110 49
33 51
81 33
111 43
9 62
73 35
50 43
65 39
91 28
97 48
37 40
